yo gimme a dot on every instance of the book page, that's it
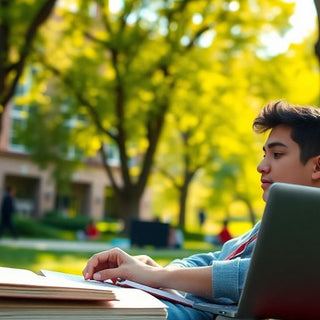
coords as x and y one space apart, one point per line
75 280
19 276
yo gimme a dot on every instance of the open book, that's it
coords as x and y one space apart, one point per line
169 295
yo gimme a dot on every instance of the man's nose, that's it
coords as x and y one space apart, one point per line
263 166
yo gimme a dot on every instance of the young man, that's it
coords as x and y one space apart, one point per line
291 155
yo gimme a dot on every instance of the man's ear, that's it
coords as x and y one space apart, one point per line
316 168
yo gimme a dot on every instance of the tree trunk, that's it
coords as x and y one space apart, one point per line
184 190
128 207
182 206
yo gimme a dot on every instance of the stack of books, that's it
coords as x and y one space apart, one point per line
55 295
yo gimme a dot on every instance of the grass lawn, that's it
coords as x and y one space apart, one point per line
74 262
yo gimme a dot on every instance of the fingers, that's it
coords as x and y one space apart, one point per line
115 263
113 274
88 271
102 261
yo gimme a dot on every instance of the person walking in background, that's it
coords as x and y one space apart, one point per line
7 211
201 217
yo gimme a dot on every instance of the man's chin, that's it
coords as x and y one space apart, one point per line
265 195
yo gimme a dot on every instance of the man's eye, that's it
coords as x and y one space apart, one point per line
277 155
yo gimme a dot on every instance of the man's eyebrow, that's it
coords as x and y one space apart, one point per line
274 144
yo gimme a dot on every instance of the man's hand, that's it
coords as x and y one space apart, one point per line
115 263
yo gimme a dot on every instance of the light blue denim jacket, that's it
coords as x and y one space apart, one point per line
227 275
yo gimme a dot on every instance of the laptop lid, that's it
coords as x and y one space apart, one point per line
283 279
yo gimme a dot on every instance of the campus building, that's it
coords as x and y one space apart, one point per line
36 191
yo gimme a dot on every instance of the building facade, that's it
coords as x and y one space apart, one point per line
36 193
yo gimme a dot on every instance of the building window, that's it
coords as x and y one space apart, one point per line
17 124
19 112
112 154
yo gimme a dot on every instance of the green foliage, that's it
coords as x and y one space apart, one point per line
55 219
28 227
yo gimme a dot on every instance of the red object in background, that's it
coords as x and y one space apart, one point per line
92 231
224 235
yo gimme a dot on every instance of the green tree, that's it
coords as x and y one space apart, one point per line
210 127
123 68
108 67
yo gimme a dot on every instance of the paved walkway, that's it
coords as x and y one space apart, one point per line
61 245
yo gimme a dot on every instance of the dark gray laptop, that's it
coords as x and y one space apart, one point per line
283 280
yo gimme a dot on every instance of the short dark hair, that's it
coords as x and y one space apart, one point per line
303 120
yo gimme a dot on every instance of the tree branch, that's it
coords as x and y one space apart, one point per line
79 96
108 169
41 16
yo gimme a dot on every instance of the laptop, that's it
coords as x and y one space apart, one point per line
283 280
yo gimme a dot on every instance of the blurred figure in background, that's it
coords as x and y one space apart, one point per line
201 217
223 236
7 211
91 231
176 238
